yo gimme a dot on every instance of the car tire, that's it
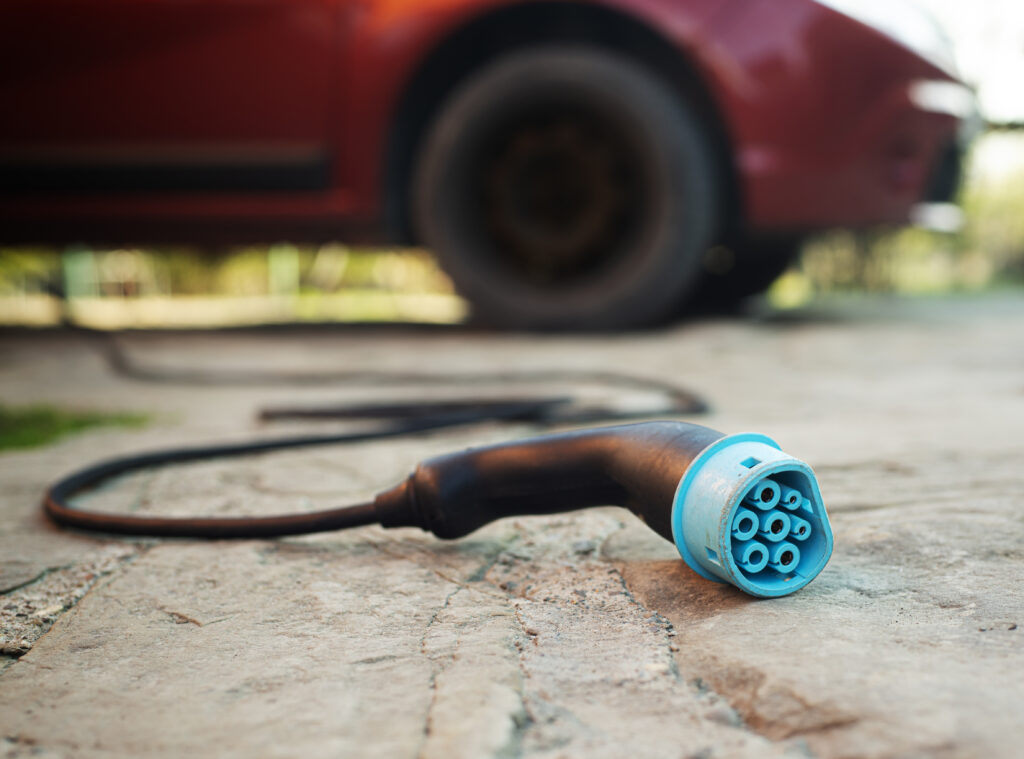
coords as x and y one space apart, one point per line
567 189
735 271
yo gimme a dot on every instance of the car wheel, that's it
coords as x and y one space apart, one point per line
567 188
738 270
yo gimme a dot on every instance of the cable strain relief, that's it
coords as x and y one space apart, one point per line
396 507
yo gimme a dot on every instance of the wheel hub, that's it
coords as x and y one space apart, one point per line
558 196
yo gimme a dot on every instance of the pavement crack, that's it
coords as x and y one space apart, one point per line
480 573
735 710
668 629
822 727
32 580
29 612
438 665
528 718
181 619
522 719
470 584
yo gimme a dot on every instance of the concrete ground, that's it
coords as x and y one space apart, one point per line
581 635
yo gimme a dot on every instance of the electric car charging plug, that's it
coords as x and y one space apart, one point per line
735 506
690 484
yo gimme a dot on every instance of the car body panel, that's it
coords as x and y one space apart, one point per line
825 131
169 73
814 106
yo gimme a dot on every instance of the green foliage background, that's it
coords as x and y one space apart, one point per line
34 426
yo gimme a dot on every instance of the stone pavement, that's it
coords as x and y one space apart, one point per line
580 635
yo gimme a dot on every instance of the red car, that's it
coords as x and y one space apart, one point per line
570 163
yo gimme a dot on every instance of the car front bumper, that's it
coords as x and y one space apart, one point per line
835 123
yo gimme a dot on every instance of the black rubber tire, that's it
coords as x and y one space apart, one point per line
635 262
738 270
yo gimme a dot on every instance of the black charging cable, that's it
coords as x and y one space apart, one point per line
548 410
400 419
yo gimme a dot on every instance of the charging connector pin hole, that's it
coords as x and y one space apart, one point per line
784 558
751 556
744 524
774 525
791 498
799 528
764 495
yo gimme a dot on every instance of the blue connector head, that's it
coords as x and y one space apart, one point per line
748 514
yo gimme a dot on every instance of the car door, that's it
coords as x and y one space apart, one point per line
156 95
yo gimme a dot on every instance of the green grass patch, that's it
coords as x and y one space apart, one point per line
35 426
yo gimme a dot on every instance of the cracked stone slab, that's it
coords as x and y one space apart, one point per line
566 636
372 645
29 609
599 674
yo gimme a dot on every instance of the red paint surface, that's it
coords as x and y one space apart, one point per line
815 105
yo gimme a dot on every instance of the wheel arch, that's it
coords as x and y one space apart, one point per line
522 25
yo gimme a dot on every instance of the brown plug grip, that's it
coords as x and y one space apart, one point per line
637 466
